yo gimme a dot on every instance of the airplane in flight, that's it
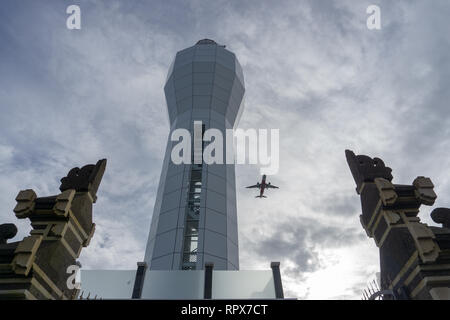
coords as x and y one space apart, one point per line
262 186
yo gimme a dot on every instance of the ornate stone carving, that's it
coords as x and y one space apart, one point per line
7 231
366 169
414 257
441 215
36 267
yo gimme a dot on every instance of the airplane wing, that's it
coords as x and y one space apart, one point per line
271 186
255 186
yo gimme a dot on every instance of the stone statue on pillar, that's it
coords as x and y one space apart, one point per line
414 257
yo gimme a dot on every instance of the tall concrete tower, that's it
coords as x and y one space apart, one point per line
194 217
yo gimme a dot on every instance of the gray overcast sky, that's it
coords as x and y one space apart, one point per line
312 69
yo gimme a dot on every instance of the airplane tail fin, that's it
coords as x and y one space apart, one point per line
260 197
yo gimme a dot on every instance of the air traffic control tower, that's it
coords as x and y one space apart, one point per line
194 217
192 249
